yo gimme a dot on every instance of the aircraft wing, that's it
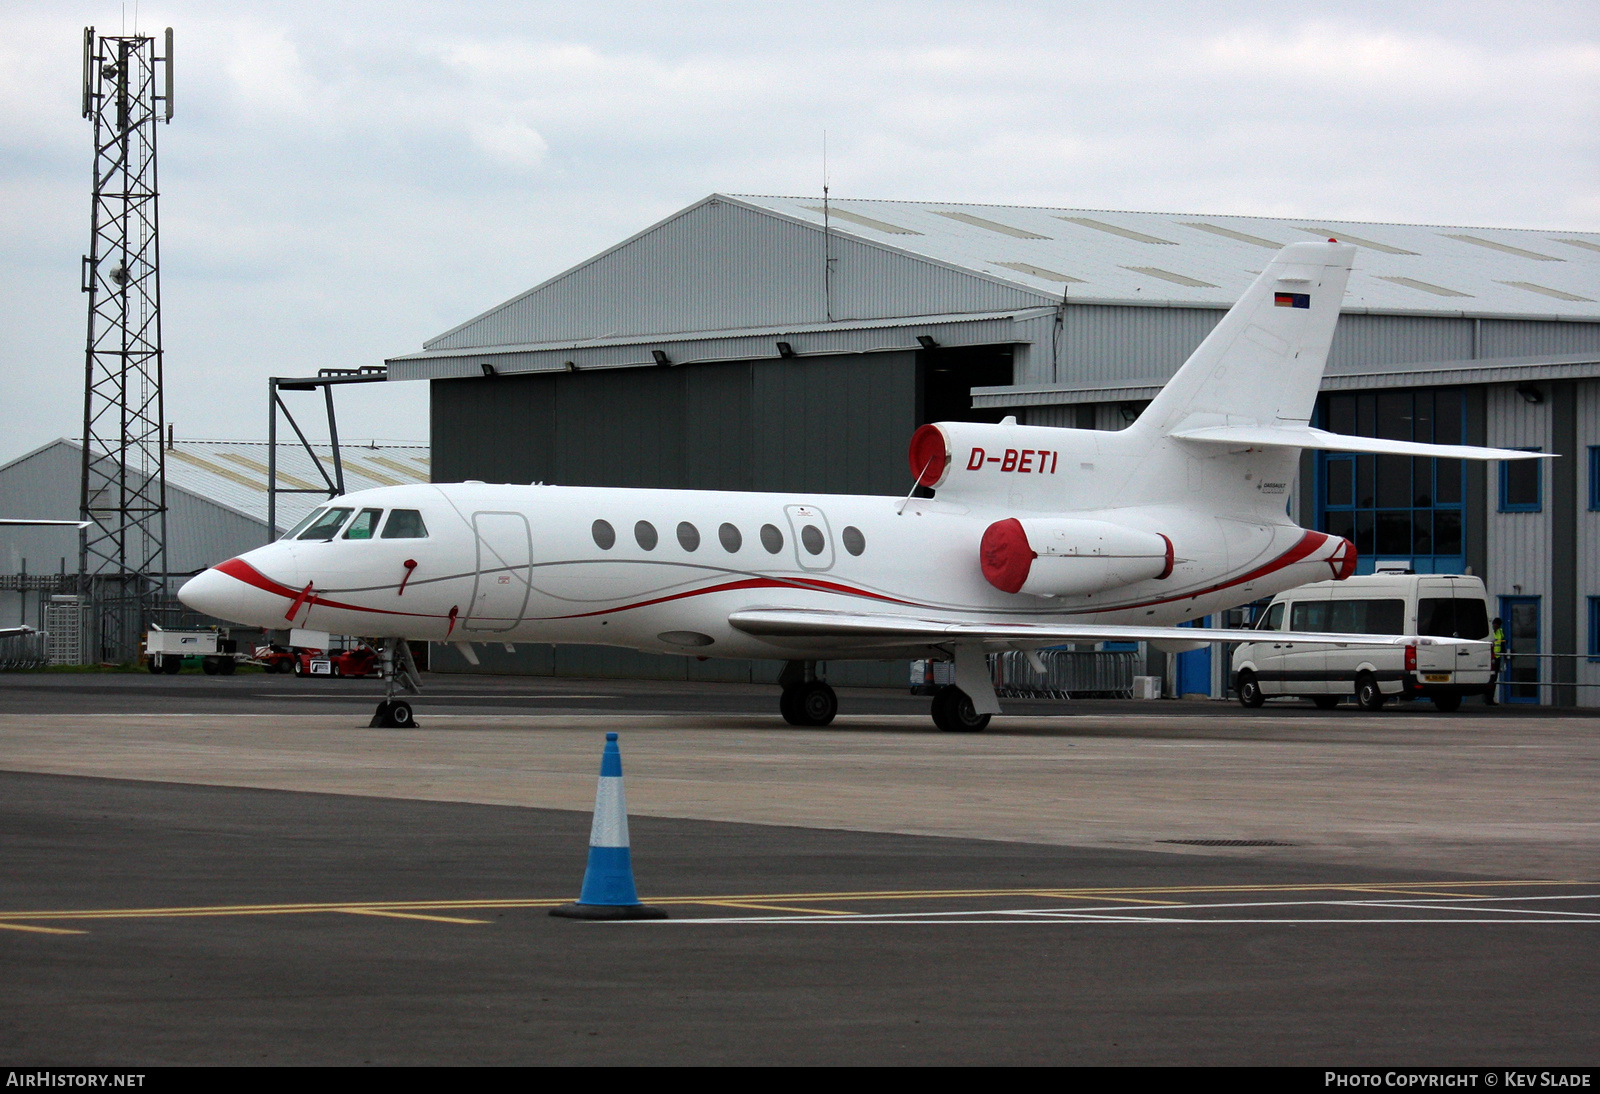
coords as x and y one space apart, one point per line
17 522
807 626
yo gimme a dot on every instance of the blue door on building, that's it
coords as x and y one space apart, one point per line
1194 666
1519 678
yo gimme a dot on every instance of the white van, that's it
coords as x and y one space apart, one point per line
1446 605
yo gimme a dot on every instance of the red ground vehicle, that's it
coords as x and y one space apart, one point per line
275 658
360 661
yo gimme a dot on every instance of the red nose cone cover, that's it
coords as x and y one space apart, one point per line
1005 555
930 455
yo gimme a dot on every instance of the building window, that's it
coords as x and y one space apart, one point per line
1395 507
1594 628
1594 476
1521 485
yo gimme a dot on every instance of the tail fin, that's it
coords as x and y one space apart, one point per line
1263 363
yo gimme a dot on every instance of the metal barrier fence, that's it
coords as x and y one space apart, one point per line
1069 674
24 651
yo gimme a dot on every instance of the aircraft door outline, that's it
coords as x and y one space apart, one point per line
800 518
500 585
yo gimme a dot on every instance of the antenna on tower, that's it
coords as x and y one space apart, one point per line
122 558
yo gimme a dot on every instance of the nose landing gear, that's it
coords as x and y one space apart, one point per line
399 673
806 700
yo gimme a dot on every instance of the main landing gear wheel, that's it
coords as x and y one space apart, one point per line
812 703
1250 692
953 711
394 714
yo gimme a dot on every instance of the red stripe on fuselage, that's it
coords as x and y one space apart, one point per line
241 570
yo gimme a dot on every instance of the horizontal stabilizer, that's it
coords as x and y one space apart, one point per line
786 626
1268 436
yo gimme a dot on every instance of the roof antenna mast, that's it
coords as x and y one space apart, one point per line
827 237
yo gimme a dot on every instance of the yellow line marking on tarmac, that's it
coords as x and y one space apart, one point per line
775 908
40 930
410 915
1393 892
1127 895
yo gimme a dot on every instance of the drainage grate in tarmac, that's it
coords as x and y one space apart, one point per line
1228 842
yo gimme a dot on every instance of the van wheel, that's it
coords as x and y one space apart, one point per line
1326 702
1250 691
1447 704
1368 695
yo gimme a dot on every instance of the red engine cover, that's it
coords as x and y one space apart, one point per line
1005 555
930 455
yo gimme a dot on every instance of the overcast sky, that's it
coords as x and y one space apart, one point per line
344 180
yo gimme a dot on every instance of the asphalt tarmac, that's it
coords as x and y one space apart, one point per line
147 922
247 926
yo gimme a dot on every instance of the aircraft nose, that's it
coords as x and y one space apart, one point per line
209 592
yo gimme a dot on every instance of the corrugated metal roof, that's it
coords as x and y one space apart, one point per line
1402 268
1494 370
234 473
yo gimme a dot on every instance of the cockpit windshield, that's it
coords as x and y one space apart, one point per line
326 526
365 524
304 521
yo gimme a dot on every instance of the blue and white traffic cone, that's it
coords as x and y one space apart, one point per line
608 890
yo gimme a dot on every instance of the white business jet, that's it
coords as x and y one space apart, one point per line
1035 536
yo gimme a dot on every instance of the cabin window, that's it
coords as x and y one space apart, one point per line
305 520
688 536
405 524
327 525
771 538
811 538
644 534
605 536
730 538
365 524
854 541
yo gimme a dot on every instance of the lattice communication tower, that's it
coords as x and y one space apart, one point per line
122 552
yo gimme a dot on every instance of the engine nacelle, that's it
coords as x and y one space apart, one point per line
976 459
1064 556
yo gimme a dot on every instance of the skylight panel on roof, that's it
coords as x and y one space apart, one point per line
1505 247
1413 283
368 473
392 465
865 222
1042 273
989 225
262 469
217 469
1343 237
1125 233
1584 243
1242 237
1547 291
1175 278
